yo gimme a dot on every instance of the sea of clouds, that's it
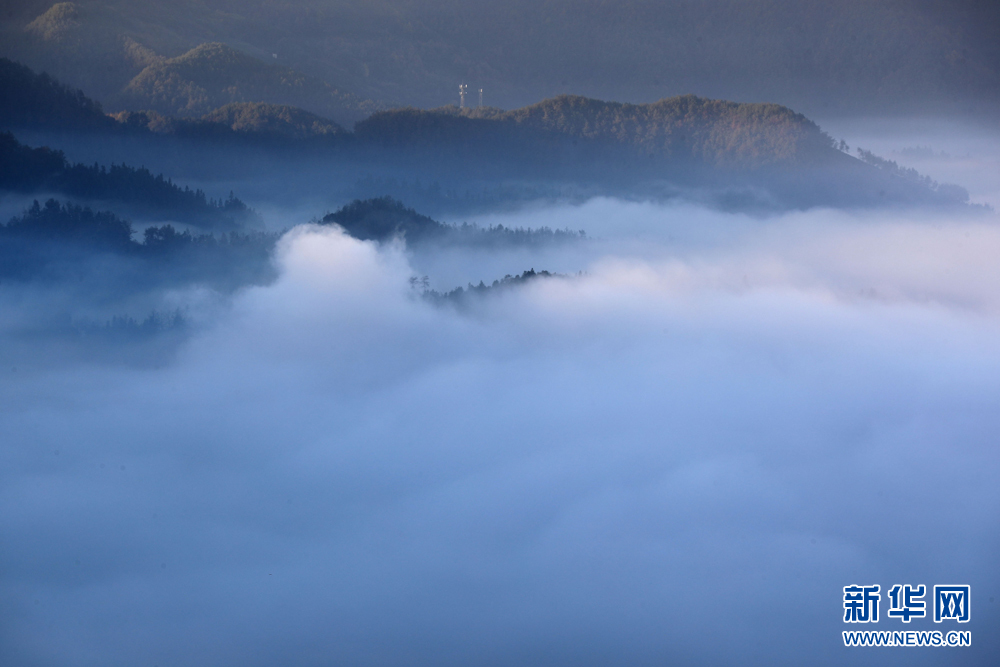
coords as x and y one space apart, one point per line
679 456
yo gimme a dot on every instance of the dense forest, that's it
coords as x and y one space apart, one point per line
241 122
28 170
58 241
947 190
463 297
31 100
686 128
384 218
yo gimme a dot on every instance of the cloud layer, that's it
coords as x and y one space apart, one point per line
679 457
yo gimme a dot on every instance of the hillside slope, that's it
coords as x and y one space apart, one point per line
29 100
685 128
135 191
162 59
716 131
37 100
273 119
214 75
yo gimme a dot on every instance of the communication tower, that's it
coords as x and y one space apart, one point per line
462 90
480 97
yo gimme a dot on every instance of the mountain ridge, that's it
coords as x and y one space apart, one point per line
214 74
719 131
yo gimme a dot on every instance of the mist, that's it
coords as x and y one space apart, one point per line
947 148
679 451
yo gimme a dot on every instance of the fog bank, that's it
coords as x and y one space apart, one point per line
679 456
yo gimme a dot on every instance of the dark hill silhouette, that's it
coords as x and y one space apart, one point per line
385 218
464 297
71 224
29 170
60 242
33 100
30 100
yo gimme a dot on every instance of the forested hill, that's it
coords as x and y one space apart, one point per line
385 218
715 132
254 121
213 75
28 99
96 250
274 119
32 170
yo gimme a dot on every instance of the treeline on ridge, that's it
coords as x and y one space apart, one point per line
463 296
56 241
685 127
385 218
37 101
28 170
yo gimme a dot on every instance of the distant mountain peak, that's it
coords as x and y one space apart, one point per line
57 23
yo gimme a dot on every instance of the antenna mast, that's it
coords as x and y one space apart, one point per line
480 97
462 90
